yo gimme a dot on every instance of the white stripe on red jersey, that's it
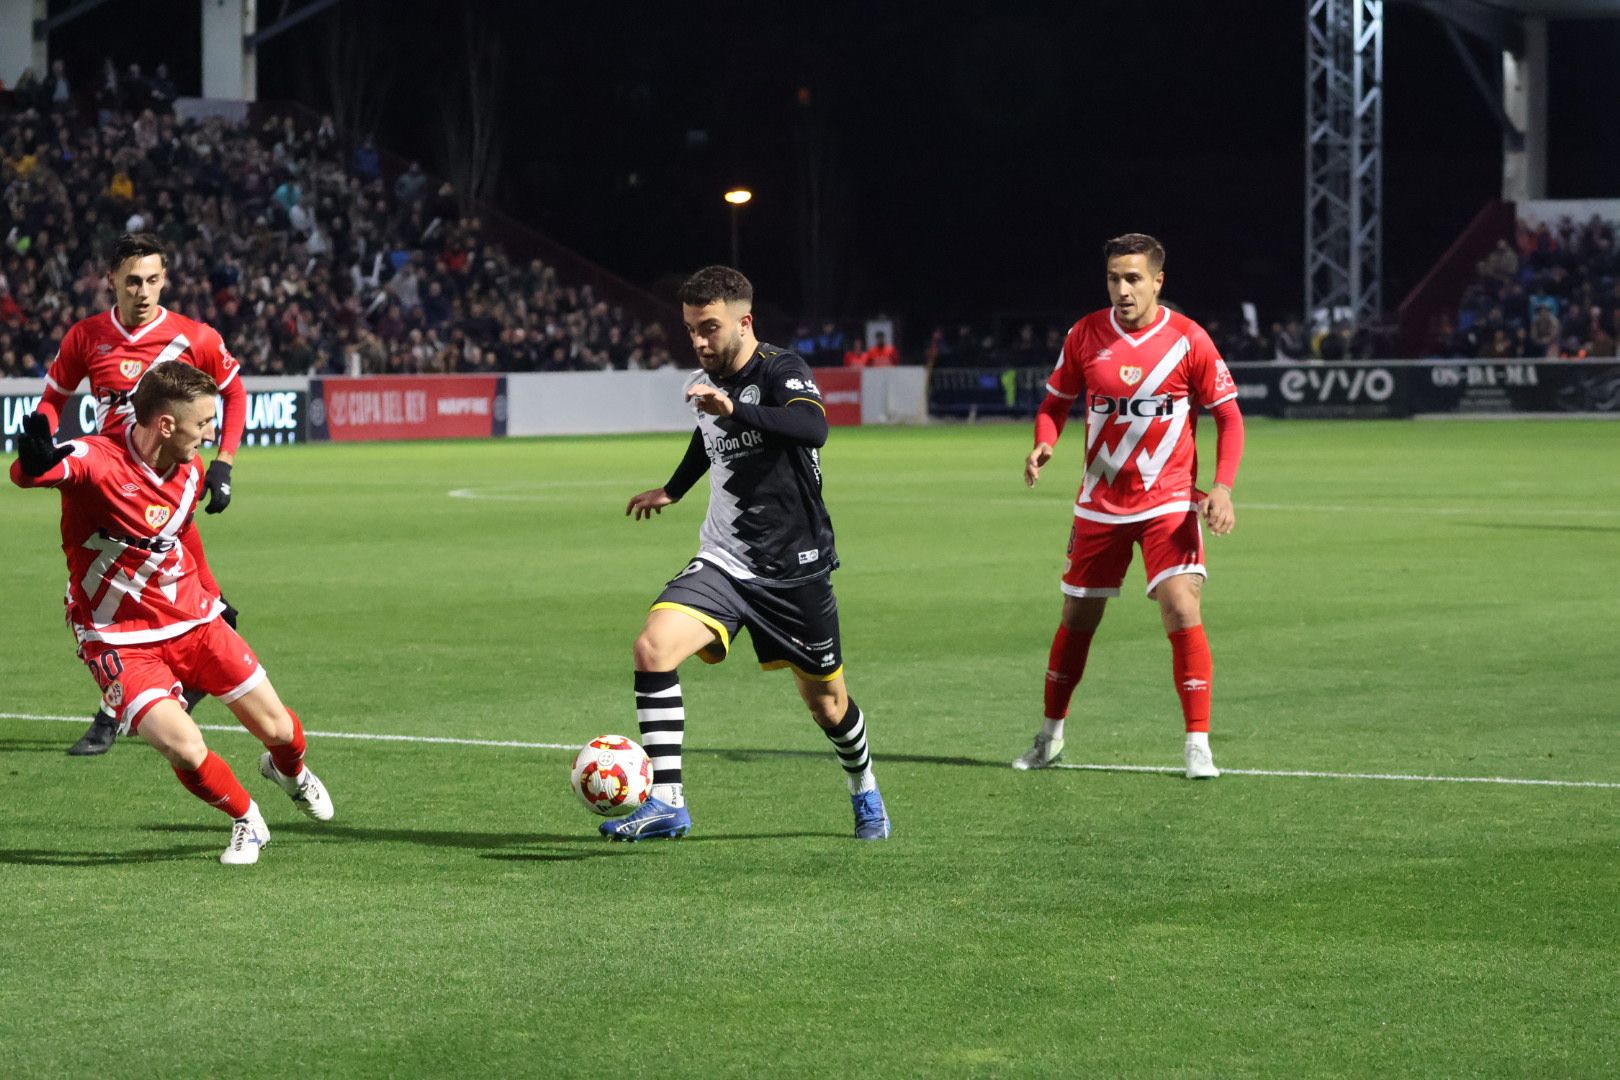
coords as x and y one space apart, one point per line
130 580
1141 391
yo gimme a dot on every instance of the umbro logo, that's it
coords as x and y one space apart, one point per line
1195 684
131 489
103 349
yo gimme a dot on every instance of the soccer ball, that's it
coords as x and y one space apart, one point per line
612 775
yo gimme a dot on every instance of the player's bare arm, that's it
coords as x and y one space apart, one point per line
648 503
1032 464
1219 514
710 399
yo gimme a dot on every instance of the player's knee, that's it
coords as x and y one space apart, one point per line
188 754
651 654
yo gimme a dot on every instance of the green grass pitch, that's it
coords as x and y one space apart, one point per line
1400 598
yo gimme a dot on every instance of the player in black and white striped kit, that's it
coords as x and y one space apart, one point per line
765 553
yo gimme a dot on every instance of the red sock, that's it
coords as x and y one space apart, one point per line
1194 669
215 784
289 759
1064 666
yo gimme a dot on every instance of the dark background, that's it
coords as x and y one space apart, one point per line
973 156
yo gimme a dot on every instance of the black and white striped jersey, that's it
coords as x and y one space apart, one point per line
766 521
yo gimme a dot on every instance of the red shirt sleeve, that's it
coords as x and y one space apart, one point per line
1228 440
1063 387
211 355
1211 379
71 471
66 372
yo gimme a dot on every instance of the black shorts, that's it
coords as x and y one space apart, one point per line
794 627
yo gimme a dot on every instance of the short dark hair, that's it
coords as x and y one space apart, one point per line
1135 243
716 283
167 385
136 246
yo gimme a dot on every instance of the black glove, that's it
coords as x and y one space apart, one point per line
219 487
36 453
230 614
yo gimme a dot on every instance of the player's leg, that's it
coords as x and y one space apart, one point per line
168 728
260 711
1098 558
797 629
842 721
99 737
694 615
1173 551
191 540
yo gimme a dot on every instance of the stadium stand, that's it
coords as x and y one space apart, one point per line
1551 292
306 259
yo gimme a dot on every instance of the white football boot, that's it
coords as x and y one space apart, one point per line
1200 762
249 833
1043 753
306 790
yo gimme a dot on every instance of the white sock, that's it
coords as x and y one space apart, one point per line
1199 739
669 794
1052 729
862 781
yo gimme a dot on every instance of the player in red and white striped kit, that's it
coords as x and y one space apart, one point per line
1142 373
145 621
113 351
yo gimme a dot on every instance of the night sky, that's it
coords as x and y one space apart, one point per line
975 156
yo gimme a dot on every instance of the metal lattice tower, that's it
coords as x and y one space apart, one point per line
1344 161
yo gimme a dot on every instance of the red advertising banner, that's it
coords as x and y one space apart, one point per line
407 407
841 393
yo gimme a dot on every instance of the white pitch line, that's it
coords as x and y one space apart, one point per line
1315 775
237 729
1444 511
1300 773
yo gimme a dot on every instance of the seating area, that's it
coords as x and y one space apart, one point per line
304 256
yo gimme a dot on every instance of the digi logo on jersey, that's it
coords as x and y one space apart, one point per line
1164 405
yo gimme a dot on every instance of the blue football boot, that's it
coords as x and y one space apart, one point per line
655 820
871 820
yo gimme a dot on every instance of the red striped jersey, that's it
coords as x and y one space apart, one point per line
114 357
1141 391
130 579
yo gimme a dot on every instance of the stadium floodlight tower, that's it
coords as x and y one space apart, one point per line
1344 160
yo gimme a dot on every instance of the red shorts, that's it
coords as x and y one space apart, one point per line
212 658
1099 552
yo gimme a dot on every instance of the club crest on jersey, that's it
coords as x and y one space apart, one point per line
1130 376
129 369
749 395
157 515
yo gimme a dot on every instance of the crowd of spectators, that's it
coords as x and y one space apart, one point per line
298 250
1553 292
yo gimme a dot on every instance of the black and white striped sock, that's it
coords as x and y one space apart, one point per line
849 741
662 718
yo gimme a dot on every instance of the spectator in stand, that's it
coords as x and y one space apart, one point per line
881 354
856 355
1289 338
60 90
367 161
134 93
829 346
411 187
1544 332
161 90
